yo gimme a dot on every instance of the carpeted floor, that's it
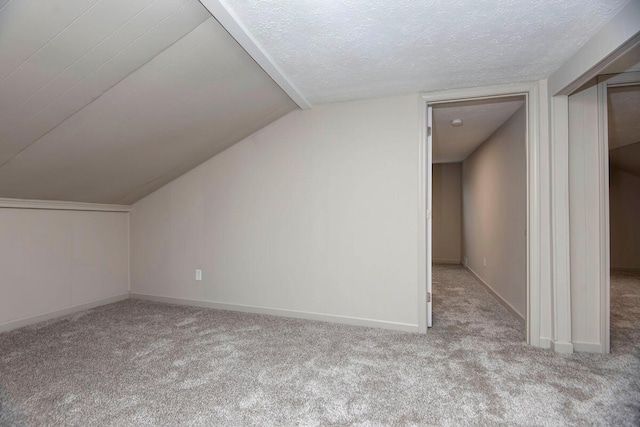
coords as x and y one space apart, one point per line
140 363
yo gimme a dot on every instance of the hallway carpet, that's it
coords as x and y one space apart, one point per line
141 363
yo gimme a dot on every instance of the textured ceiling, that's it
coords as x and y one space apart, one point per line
104 101
352 49
624 116
480 119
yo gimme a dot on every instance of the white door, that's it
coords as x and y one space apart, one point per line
429 194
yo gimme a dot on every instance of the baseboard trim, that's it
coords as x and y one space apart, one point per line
562 347
497 296
307 315
446 261
588 347
61 205
626 271
27 321
545 343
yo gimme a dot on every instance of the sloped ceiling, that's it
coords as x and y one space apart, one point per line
352 49
624 128
480 118
104 101
624 115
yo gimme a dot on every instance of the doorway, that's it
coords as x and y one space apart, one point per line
526 94
479 208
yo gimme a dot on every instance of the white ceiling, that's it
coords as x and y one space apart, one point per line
104 101
624 116
342 50
481 118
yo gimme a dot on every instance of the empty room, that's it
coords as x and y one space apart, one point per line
318 213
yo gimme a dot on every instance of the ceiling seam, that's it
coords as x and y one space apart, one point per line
50 40
77 60
100 67
94 99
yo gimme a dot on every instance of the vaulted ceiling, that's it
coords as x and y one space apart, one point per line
105 101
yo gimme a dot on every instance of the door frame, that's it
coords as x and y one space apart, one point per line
531 93
604 82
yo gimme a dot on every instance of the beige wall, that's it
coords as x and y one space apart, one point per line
52 260
585 219
495 211
624 215
315 215
447 212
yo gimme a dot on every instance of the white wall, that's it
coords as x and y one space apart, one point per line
494 193
584 217
52 260
447 212
624 217
316 213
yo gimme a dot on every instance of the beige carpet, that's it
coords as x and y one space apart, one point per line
141 363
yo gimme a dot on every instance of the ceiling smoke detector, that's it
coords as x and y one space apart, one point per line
456 123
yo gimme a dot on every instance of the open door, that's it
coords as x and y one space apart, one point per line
429 215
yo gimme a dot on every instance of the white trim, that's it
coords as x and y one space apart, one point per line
228 19
560 231
563 347
559 347
496 295
611 42
545 342
422 215
60 205
534 175
26 321
588 347
307 315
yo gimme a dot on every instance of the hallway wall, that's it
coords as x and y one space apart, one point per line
624 216
494 218
447 213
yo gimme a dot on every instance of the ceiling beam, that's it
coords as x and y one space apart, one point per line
239 32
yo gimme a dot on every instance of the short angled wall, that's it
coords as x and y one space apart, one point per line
58 258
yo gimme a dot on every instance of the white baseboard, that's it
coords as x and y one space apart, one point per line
558 347
446 261
26 321
497 296
562 347
588 347
545 342
332 318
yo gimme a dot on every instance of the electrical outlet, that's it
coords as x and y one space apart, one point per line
484 261
198 275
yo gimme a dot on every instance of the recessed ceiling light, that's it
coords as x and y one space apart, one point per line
456 122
